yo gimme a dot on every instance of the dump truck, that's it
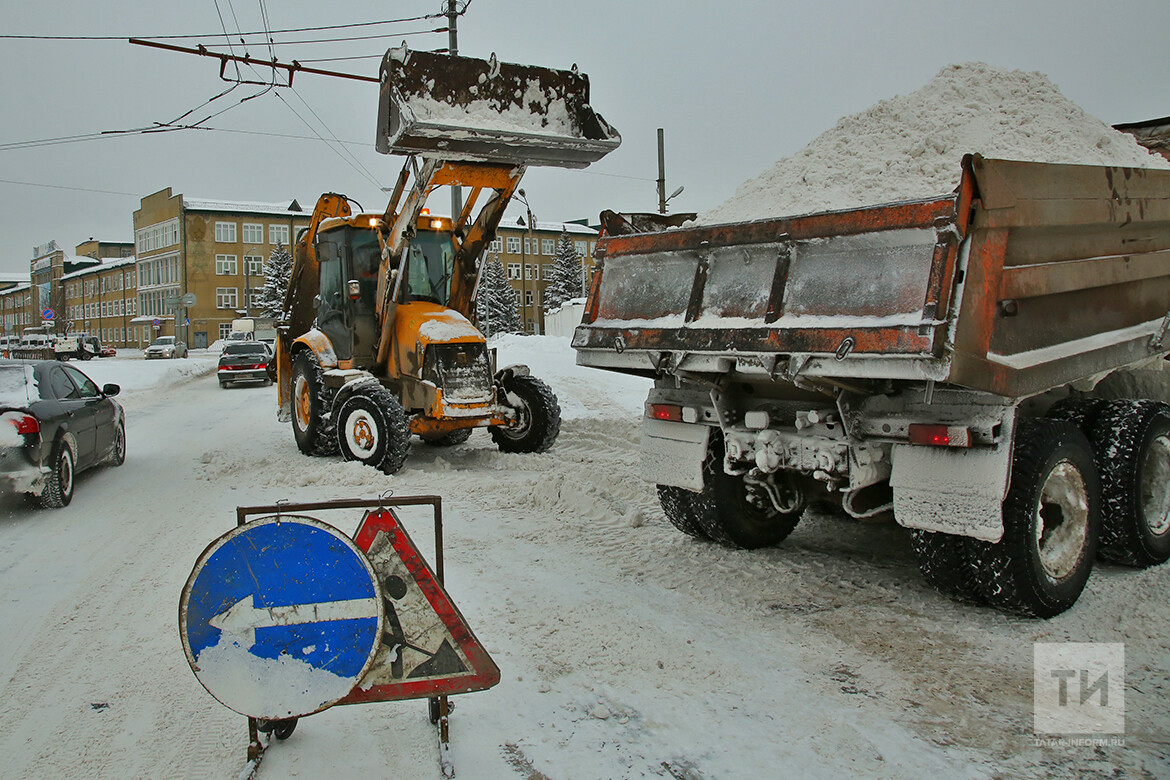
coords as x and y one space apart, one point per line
378 342
938 359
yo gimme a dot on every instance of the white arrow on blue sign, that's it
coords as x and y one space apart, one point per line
281 617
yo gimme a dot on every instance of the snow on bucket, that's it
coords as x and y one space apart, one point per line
462 108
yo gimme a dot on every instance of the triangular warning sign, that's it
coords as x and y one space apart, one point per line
427 647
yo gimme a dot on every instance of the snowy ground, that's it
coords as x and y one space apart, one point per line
626 648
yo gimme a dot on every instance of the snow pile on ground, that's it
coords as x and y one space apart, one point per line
911 146
133 373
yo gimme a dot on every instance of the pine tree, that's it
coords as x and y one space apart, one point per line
565 281
495 305
277 272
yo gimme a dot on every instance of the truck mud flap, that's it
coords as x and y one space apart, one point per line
952 491
462 108
673 453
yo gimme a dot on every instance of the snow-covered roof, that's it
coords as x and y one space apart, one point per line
283 208
16 288
9 277
553 227
105 265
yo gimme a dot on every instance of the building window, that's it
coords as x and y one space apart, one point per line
527 247
225 329
548 246
546 270
225 297
225 265
513 270
517 294
255 296
278 234
514 245
582 247
253 265
252 234
225 232
158 236
529 269
497 245
528 297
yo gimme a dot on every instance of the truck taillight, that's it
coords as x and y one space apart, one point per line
25 424
670 412
940 435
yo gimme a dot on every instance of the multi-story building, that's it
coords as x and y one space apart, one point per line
49 265
102 301
201 262
16 309
528 255
105 250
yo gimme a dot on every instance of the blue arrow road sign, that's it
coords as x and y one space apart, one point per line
281 617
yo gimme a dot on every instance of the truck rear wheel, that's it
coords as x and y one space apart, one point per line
538 416
372 428
1051 522
678 506
946 565
1132 439
311 425
726 511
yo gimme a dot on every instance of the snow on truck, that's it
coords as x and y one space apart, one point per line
378 343
936 358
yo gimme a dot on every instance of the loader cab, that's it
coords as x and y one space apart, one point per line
349 256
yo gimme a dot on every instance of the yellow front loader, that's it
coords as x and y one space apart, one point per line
378 341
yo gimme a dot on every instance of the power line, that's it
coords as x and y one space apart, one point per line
75 189
217 34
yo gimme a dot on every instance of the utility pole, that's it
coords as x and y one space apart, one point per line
661 174
453 50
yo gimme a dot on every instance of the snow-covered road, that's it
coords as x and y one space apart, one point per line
626 648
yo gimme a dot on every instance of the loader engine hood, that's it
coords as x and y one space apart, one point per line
446 350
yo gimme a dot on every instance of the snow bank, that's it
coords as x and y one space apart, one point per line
134 373
910 146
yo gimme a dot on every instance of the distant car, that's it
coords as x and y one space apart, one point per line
166 347
54 424
108 351
244 361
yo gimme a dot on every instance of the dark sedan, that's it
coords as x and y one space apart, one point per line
54 423
244 361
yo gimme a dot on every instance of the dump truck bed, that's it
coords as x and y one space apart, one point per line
1028 277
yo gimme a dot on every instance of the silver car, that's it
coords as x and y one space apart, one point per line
166 347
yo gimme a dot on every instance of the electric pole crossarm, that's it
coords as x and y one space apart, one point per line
224 59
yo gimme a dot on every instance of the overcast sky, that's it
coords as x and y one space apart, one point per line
736 84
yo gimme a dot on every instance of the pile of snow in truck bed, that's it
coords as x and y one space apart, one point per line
910 146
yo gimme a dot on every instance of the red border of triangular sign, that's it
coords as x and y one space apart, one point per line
484 674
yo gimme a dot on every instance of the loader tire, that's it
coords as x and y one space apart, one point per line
945 564
538 416
1051 523
1132 442
726 512
372 428
311 423
448 439
1082 411
678 506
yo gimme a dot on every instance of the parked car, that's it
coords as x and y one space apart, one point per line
244 361
108 351
166 347
55 423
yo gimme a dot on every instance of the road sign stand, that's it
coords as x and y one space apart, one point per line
439 707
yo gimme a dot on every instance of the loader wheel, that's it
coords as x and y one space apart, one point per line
312 426
538 416
946 565
1080 410
678 506
1051 522
729 514
1132 441
449 439
372 428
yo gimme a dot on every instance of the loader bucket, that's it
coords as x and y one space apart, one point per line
462 108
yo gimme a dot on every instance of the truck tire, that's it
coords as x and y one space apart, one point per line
946 565
678 506
448 439
372 428
725 513
1051 523
538 416
1082 411
58 490
311 423
1132 440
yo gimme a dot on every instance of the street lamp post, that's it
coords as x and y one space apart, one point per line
520 195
